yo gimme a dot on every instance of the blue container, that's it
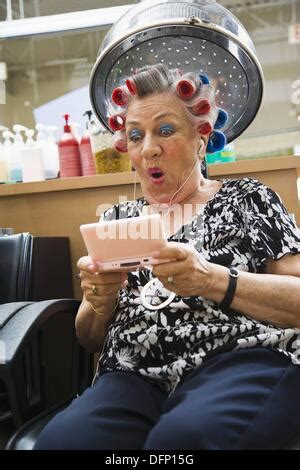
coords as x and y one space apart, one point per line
227 154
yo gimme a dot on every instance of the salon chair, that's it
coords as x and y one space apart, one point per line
34 268
42 365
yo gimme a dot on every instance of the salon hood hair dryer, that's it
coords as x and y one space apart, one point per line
193 35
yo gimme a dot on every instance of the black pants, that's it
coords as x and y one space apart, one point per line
247 399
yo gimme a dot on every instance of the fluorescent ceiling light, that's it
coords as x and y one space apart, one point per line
99 18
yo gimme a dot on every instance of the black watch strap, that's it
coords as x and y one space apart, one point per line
233 275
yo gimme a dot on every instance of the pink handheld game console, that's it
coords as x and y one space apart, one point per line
124 243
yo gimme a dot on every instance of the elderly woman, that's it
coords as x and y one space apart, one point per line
218 368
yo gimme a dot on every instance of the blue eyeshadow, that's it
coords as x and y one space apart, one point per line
134 133
168 127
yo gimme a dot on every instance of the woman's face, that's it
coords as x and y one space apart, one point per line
163 146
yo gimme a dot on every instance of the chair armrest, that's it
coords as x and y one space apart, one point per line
41 361
26 436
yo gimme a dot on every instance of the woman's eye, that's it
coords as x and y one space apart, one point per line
135 136
167 130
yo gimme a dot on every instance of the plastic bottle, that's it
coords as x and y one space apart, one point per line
32 159
107 158
227 154
42 142
16 156
211 158
86 154
69 154
7 150
75 129
3 160
52 153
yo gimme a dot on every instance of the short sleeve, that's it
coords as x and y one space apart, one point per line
268 226
124 210
109 214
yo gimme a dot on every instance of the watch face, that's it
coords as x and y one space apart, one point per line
233 272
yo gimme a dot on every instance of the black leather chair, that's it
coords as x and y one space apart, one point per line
42 365
34 268
45 367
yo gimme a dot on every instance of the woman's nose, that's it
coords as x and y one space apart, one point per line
150 148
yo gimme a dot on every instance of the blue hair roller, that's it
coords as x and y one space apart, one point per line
204 79
216 142
221 120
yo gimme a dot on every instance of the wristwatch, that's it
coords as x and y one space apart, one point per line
233 275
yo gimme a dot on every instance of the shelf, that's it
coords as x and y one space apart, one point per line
67 184
254 165
119 179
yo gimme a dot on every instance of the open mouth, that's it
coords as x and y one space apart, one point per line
156 175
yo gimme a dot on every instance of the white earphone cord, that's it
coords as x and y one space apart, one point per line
134 186
176 192
189 176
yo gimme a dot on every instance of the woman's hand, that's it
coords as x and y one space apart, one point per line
187 274
100 288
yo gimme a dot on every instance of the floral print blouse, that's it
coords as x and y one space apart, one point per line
242 225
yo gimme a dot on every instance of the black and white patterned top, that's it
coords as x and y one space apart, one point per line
242 225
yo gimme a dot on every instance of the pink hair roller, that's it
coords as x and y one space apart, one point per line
116 122
205 128
207 121
185 89
131 86
121 145
204 103
120 96
202 106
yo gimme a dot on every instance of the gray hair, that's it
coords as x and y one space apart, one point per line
194 90
154 79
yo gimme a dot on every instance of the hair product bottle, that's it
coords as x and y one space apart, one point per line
86 154
16 154
7 150
33 167
3 160
69 154
52 153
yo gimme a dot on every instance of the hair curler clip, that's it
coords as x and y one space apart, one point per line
216 142
185 89
221 119
117 122
120 96
204 79
131 86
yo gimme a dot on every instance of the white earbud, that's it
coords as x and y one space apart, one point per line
201 145
200 150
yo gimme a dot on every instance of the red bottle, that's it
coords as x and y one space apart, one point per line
69 154
86 154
